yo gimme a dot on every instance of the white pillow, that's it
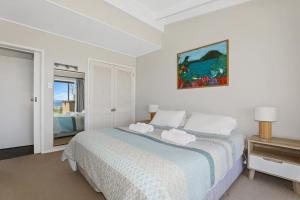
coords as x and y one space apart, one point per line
168 118
214 124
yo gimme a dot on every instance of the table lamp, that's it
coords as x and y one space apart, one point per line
265 116
152 110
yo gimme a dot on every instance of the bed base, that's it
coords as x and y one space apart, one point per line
214 194
223 185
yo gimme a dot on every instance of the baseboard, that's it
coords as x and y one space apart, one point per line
16 152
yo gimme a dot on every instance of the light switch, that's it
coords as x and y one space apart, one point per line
50 85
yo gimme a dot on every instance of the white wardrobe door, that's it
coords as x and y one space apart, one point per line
123 97
102 96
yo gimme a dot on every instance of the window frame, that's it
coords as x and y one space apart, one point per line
68 83
66 80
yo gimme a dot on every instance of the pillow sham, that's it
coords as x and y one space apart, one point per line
213 124
170 118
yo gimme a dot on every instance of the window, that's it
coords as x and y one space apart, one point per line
64 96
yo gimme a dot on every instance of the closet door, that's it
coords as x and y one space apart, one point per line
124 97
102 95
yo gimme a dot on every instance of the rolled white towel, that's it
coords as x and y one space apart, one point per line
149 127
137 128
178 136
181 133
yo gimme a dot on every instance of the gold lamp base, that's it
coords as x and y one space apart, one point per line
265 130
152 114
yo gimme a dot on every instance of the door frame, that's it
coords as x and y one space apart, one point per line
38 113
89 81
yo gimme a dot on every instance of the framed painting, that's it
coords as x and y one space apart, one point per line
205 66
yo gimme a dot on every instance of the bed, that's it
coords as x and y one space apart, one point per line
127 165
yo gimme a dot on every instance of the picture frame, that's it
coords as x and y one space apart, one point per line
205 66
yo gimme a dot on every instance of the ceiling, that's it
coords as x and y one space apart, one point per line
159 5
49 17
159 13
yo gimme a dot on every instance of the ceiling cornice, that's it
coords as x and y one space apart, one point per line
139 11
182 7
178 12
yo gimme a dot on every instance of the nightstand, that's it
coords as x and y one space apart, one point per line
277 156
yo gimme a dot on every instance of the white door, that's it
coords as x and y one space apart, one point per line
101 96
16 89
111 96
124 98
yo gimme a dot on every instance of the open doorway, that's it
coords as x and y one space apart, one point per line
17 102
12 145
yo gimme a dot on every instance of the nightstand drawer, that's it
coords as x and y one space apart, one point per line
275 167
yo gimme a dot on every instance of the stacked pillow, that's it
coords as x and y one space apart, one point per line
198 122
212 124
169 118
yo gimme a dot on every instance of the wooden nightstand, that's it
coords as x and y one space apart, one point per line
279 157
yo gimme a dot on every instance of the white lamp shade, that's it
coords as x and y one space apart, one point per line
266 114
153 108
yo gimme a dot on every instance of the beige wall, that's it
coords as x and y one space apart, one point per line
264 65
59 50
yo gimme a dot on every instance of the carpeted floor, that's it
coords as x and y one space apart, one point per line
62 140
45 177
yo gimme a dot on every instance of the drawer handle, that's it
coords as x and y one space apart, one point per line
272 160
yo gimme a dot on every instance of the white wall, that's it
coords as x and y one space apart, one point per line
16 89
59 50
264 65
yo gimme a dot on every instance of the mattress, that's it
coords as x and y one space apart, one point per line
127 165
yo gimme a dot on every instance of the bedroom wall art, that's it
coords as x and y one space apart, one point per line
205 66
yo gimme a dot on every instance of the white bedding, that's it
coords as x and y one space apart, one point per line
125 165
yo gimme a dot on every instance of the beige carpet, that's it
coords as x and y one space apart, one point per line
45 177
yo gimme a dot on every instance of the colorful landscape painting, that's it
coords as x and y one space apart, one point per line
203 67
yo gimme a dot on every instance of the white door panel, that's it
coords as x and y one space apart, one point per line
102 96
123 97
16 88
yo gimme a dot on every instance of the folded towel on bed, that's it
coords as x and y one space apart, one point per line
141 128
149 127
178 136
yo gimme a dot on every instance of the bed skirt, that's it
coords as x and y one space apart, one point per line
214 194
89 180
223 185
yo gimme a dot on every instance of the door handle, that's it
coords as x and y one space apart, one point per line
33 99
113 110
